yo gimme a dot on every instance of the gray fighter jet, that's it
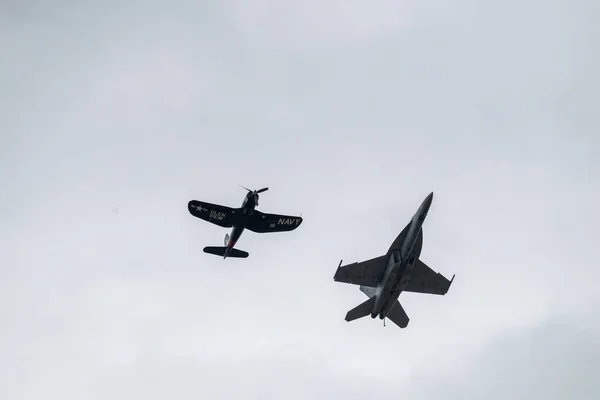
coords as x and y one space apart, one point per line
383 278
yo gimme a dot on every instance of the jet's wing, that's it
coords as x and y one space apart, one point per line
267 223
425 280
213 213
366 273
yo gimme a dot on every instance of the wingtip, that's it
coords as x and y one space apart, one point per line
337 270
450 284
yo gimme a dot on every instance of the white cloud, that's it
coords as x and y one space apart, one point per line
335 22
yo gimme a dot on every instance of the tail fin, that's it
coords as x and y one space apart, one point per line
362 310
220 251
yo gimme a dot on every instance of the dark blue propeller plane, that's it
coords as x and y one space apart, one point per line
245 217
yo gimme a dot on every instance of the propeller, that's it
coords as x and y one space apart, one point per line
255 191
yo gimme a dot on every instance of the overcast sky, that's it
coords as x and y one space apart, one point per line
114 114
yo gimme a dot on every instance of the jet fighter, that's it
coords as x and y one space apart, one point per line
383 278
245 217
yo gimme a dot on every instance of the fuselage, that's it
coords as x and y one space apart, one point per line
401 258
239 224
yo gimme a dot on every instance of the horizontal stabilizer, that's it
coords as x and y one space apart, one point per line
398 316
220 251
362 310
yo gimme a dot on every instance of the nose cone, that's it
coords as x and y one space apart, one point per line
424 209
429 200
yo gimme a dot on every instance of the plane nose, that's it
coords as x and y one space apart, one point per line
426 204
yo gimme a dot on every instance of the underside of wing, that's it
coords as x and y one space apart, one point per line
213 213
267 223
425 280
366 273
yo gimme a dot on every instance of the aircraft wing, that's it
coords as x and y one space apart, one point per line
366 273
213 213
267 223
425 280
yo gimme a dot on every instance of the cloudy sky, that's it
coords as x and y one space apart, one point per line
113 115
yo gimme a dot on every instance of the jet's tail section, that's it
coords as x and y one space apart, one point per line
398 316
361 310
220 251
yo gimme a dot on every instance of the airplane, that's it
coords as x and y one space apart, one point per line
245 217
383 278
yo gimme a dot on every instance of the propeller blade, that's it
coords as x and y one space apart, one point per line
244 187
262 190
